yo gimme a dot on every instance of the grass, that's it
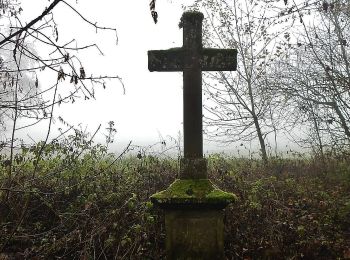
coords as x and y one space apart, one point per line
89 206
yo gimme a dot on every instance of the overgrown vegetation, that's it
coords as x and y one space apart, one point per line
83 203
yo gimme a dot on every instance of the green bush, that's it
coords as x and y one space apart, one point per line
79 202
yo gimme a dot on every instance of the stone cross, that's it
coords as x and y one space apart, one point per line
193 205
192 59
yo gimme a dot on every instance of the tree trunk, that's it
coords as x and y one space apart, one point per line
342 120
318 136
261 139
256 120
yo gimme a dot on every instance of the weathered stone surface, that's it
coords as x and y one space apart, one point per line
193 168
209 60
190 194
194 219
194 234
166 60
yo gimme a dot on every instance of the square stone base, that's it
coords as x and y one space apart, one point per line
194 234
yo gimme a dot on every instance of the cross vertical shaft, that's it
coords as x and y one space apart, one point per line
192 59
192 84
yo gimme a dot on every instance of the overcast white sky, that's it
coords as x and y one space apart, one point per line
152 104
149 103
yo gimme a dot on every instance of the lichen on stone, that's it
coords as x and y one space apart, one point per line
193 191
190 16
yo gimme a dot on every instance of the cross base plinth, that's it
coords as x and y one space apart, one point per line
193 168
193 219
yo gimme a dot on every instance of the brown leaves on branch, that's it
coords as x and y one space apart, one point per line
152 6
56 33
66 57
74 79
327 6
82 73
61 74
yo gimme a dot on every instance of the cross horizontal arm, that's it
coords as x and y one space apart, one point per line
166 60
219 59
210 59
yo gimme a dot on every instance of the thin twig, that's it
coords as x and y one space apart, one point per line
31 23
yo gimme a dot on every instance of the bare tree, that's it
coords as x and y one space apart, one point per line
315 74
23 96
238 105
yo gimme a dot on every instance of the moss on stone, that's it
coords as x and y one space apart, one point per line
175 49
200 191
193 13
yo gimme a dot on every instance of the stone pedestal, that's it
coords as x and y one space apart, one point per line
194 219
194 234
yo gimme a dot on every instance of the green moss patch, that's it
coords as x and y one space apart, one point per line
200 191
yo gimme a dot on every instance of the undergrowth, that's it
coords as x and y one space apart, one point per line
83 203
